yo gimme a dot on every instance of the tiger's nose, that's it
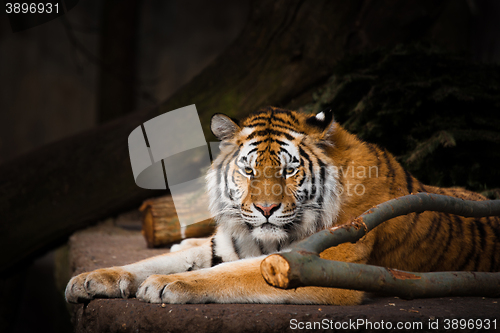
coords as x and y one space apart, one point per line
267 210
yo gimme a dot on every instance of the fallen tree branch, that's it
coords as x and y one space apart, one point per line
303 267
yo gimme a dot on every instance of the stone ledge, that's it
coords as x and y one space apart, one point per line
106 315
109 245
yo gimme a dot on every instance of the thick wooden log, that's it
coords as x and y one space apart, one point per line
161 227
293 270
286 50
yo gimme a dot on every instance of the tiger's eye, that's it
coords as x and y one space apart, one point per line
289 171
248 171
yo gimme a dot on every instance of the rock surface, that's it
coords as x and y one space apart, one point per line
118 242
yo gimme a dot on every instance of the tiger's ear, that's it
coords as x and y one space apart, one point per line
324 121
223 127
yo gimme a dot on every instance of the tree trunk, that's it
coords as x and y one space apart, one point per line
286 50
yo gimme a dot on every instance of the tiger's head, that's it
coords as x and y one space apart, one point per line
274 178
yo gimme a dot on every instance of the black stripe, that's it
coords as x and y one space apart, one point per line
492 221
436 225
226 173
220 168
321 180
321 196
282 143
261 247
266 109
473 248
444 249
458 223
439 190
313 189
409 232
374 151
372 148
236 248
311 171
284 121
274 117
409 182
273 112
218 173
256 124
258 118
460 234
271 121
216 259
483 242
318 224
302 179
341 176
494 264
231 192
288 128
256 143
306 194
269 132
493 247
431 235
391 172
253 150
303 173
432 232
288 226
283 150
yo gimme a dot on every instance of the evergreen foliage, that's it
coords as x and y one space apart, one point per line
439 114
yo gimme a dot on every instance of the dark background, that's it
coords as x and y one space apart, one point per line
50 82
59 78
50 88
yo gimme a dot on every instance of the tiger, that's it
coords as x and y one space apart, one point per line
281 176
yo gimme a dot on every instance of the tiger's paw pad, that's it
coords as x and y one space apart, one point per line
107 282
167 289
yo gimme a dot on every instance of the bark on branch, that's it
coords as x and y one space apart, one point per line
303 267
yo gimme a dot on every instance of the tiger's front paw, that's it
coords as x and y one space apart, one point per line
107 282
169 289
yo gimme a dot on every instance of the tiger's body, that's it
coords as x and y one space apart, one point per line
280 177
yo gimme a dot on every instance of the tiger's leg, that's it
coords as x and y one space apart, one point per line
124 281
241 282
188 243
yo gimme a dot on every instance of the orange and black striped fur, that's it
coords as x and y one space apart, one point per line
280 177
